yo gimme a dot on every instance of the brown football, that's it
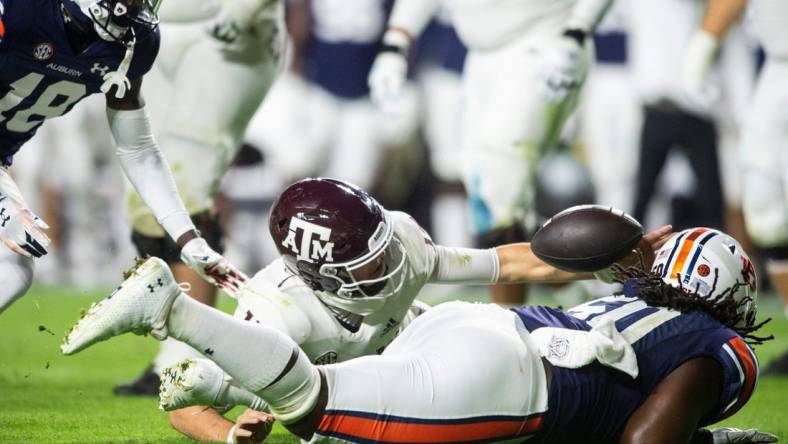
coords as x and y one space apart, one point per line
586 238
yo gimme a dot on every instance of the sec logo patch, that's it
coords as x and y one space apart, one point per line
703 270
43 51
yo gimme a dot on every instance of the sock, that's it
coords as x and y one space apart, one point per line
16 276
236 395
254 355
171 352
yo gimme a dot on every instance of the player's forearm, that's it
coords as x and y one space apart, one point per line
518 263
410 17
148 171
201 423
721 15
586 15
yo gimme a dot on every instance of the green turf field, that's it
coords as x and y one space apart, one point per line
48 398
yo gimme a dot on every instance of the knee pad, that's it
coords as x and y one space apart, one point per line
166 248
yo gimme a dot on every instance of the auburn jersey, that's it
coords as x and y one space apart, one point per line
42 74
596 401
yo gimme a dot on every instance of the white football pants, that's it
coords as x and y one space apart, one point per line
202 94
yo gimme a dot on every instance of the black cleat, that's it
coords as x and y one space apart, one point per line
146 385
778 367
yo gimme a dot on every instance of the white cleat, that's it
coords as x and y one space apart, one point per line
140 305
192 382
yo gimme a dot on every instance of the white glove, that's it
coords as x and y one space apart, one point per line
212 266
21 230
729 435
563 68
695 77
387 80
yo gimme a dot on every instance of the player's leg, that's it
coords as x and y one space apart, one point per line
16 276
507 127
765 180
657 137
461 372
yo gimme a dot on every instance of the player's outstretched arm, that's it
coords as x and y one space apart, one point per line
518 263
148 171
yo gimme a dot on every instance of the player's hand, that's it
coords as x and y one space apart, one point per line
235 19
387 80
642 256
212 266
729 435
695 77
21 230
252 427
563 69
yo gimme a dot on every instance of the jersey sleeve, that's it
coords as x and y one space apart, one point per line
417 243
145 52
740 373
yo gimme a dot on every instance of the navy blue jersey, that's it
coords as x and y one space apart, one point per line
344 40
440 45
593 403
41 76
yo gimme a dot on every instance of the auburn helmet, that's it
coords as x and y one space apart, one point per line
328 232
704 259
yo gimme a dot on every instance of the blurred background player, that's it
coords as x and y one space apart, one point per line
215 67
763 147
526 63
685 133
340 134
117 40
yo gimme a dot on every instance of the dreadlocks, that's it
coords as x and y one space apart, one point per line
724 308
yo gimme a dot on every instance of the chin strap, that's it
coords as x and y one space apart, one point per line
118 77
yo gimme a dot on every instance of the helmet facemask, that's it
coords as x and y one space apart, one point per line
364 296
120 20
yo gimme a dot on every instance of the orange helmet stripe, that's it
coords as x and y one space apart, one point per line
686 248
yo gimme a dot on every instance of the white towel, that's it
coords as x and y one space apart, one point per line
575 348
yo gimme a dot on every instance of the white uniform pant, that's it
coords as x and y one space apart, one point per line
507 126
202 94
460 372
764 159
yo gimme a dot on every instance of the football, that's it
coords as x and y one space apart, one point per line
586 238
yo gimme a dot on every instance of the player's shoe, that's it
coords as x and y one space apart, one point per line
192 382
140 305
147 384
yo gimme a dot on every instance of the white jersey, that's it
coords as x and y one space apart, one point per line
489 24
277 298
771 18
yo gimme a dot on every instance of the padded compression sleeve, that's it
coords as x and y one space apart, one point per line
466 265
147 170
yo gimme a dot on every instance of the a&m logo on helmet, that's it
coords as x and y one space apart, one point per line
314 243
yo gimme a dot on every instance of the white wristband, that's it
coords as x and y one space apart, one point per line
231 435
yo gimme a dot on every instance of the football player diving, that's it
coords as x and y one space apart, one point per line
54 53
654 363
344 287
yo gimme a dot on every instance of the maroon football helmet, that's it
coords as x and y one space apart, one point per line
325 229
